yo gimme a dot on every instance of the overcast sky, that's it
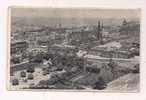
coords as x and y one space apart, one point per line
75 13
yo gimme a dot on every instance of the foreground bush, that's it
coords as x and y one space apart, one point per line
30 69
25 80
30 77
23 74
15 60
15 82
100 84
136 69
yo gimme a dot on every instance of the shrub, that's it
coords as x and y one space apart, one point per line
15 60
30 77
100 84
23 74
53 79
136 69
15 82
31 85
93 70
30 69
45 72
25 80
43 83
38 58
59 69
51 82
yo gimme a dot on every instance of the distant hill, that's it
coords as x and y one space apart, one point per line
65 21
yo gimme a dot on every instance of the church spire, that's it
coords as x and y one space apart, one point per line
124 22
99 32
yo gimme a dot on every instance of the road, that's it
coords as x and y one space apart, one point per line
92 57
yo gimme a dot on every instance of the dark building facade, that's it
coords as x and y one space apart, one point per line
18 47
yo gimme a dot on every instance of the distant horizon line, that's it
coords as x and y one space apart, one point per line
74 17
75 13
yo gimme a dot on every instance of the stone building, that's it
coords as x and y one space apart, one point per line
18 46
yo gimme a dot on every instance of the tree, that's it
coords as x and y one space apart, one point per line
15 81
25 80
24 55
15 60
38 58
112 65
136 68
43 83
30 69
53 79
46 71
48 56
100 84
30 57
23 74
30 77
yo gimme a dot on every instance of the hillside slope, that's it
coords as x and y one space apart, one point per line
126 83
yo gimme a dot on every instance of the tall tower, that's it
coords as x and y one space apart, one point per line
101 38
124 22
124 28
99 32
66 40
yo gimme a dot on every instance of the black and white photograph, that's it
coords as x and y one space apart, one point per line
74 49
